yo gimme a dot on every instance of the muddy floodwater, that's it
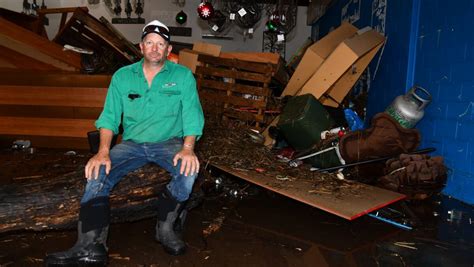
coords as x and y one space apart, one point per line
254 227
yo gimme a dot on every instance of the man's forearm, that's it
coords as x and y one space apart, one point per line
106 136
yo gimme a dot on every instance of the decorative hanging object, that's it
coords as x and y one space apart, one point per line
118 8
139 8
35 7
282 16
181 17
128 9
271 26
217 22
248 13
205 10
26 7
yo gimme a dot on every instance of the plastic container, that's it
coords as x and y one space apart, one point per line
302 121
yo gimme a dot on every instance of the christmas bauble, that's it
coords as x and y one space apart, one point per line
205 10
181 17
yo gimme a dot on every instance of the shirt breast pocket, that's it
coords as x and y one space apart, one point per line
169 102
132 108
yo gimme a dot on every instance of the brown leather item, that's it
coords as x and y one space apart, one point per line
414 174
384 138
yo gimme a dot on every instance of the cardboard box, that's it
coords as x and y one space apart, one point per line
348 58
315 56
189 58
207 48
328 69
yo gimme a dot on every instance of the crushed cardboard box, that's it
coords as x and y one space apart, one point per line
315 55
342 60
331 66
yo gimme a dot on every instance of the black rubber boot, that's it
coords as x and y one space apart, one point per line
90 248
171 217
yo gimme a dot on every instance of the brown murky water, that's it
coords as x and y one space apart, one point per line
259 229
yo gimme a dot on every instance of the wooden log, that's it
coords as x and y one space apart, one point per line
43 203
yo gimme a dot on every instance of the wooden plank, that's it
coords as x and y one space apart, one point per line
32 23
232 74
96 26
60 10
262 57
45 126
55 78
50 112
13 32
52 96
239 88
244 115
135 50
24 62
347 206
80 36
279 71
23 47
241 65
233 100
6 64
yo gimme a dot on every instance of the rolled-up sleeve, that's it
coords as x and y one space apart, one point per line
110 117
193 117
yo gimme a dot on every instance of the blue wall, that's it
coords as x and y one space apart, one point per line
430 44
445 64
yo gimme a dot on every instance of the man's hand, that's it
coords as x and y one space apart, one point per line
189 161
94 163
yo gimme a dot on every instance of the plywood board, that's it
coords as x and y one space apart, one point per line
345 204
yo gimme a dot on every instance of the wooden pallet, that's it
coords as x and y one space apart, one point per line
235 88
85 31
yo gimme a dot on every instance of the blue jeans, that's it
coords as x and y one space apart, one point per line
129 156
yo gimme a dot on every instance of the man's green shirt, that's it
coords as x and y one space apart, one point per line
169 108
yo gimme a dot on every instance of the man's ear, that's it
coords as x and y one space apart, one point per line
141 47
170 48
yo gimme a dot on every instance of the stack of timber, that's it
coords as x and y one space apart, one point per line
22 49
45 97
25 45
50 109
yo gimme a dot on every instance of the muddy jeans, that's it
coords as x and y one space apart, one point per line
129 156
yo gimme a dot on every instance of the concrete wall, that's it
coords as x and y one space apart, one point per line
166 10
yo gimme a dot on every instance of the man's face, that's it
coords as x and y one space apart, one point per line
155 49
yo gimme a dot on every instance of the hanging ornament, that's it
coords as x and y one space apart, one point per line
205 10
271 26
217 22
139 8
181 17
128 9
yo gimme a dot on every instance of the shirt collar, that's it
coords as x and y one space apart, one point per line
139 67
